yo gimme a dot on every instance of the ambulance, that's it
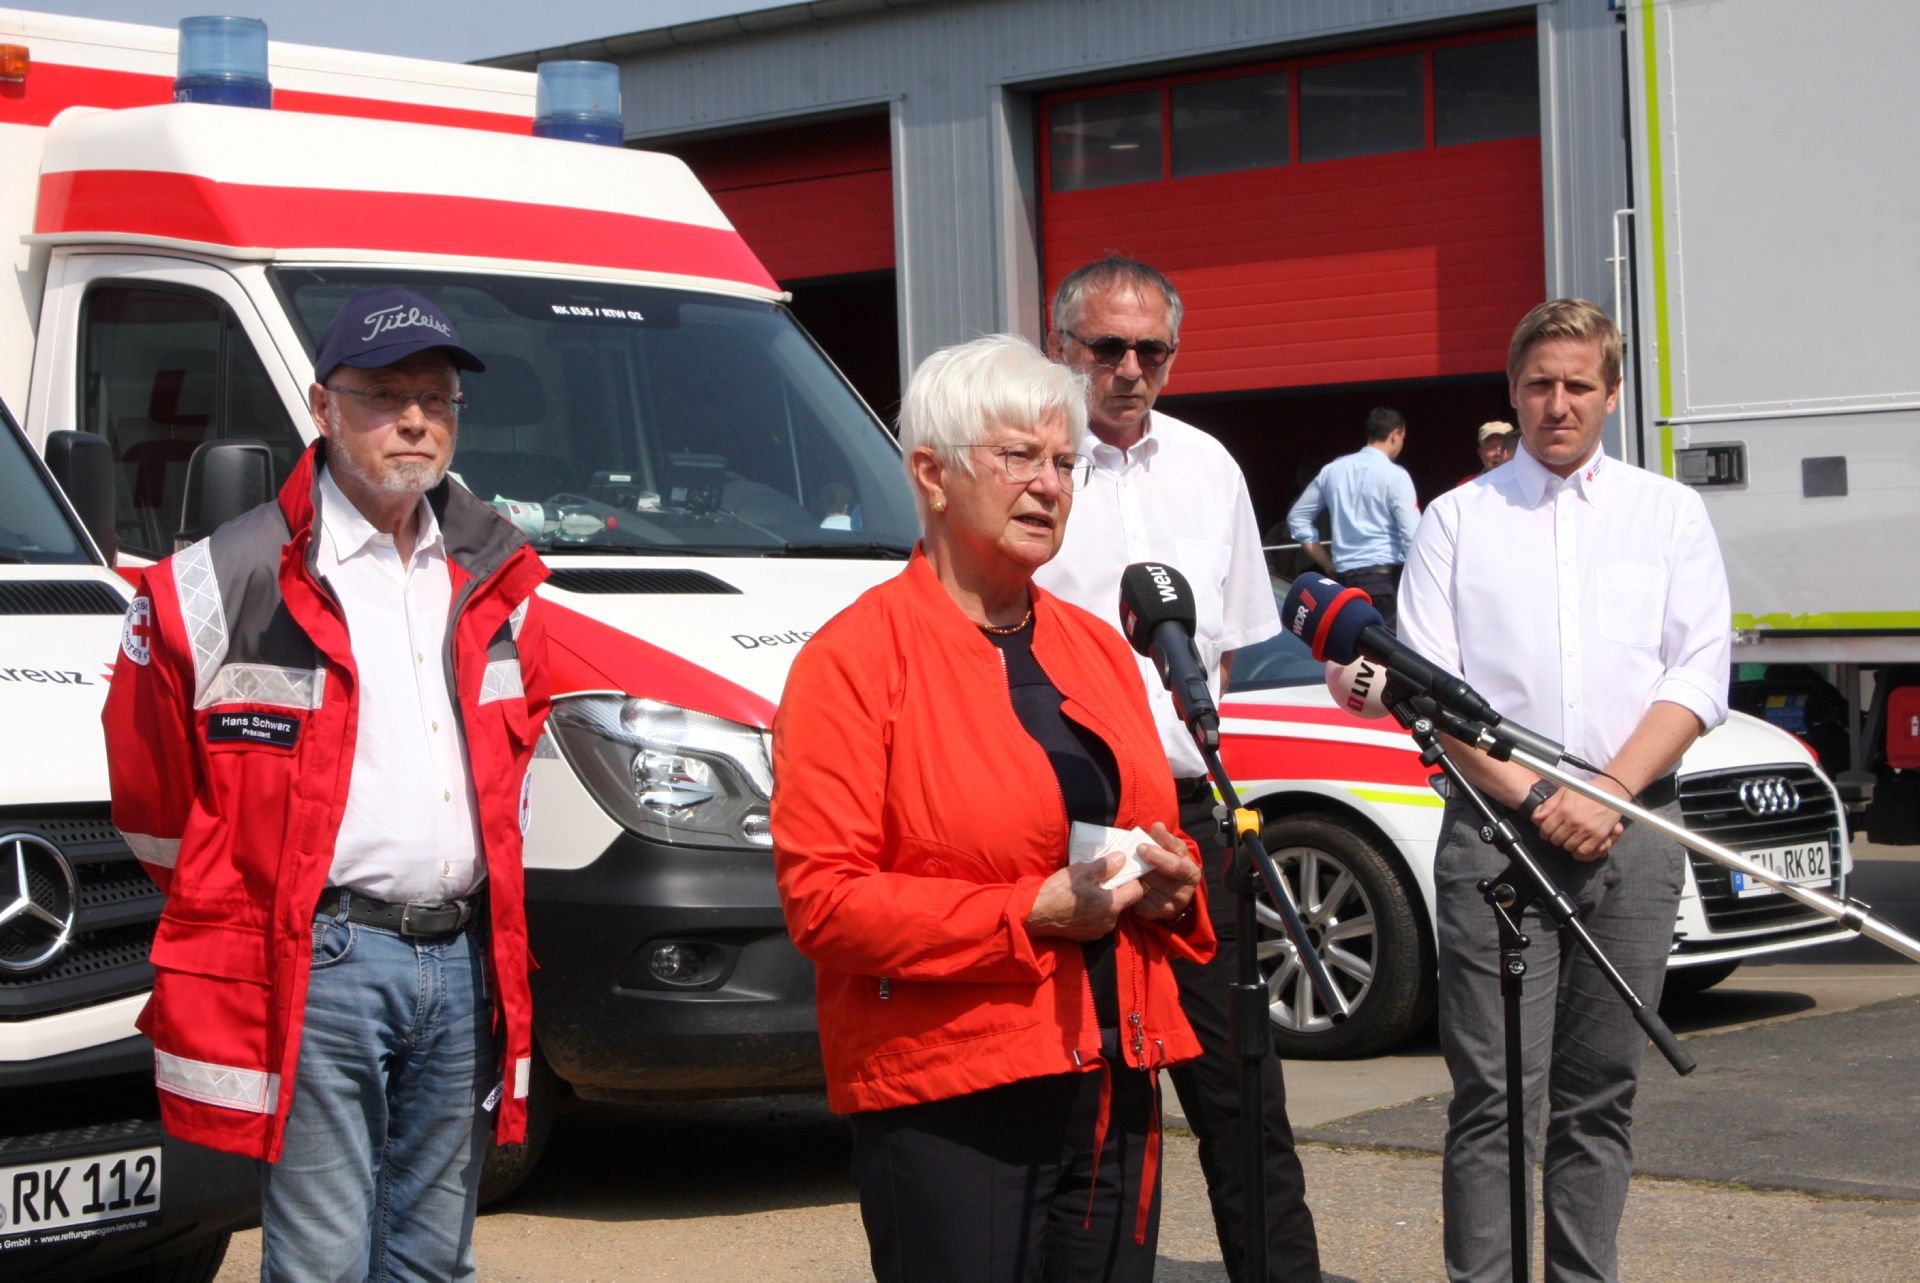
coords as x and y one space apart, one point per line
677 448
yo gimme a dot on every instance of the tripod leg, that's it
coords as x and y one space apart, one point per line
1513 972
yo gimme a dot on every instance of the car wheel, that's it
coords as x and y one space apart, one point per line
1691 982
507 1166
1358 908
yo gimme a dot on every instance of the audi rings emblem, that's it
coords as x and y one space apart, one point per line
1769 795
38 902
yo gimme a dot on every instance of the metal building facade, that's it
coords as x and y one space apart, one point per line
959 78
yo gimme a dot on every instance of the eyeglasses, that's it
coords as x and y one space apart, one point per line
1022 464
1111 349
389 404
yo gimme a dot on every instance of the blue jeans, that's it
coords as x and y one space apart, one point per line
380 1169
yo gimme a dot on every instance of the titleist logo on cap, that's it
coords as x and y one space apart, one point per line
399 318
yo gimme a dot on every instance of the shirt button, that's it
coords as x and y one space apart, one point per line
436 726
418 658
446 795
446 869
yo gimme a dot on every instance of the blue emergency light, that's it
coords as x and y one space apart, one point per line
223 60
578 101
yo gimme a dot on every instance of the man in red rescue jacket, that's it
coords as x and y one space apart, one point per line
319 731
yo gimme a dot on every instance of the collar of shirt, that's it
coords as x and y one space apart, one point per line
1536 483
351 534
1113 459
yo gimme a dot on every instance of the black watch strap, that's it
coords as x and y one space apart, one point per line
1540 792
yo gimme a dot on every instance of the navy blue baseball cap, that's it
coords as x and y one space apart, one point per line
382 327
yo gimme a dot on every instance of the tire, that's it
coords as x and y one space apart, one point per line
1691 982
1358 905
507 1167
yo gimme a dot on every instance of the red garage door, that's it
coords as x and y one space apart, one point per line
1352 218
812 200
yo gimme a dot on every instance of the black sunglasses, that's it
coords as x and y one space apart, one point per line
1110 349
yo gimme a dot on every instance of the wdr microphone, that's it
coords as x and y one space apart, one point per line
1340 624
1157 616
1359 686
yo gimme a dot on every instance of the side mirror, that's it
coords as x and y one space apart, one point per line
224 479
82 463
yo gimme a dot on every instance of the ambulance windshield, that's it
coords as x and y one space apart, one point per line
34 528
624 417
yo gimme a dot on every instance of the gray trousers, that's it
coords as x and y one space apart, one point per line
1581 1046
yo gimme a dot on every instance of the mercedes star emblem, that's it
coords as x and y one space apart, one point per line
38 901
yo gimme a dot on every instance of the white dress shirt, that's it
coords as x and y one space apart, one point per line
1573 605
1178 497
409 832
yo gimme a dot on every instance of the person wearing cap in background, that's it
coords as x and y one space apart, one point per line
1494 444
318 732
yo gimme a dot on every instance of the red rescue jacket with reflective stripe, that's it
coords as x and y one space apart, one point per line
914 820
230 723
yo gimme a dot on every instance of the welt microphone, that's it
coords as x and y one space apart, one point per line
1157 616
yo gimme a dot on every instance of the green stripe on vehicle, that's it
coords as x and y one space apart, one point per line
1412 797
1657 223
1831 619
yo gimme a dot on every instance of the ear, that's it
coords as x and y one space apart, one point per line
1055 349
929 472
1613 396
317 401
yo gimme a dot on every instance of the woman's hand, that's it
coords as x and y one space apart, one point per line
1072 903
1172 878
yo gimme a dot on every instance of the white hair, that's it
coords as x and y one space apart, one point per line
959 393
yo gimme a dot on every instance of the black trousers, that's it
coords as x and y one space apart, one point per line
996 1186
1382 583
1209 1089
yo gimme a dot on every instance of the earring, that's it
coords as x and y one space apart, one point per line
939 505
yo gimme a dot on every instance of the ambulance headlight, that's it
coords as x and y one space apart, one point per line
669 773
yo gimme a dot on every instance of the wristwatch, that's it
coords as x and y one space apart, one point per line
1540 792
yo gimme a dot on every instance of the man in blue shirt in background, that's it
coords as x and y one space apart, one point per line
1369 499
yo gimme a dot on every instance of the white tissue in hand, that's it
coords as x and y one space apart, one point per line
1091 841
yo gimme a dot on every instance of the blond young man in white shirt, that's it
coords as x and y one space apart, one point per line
1587 600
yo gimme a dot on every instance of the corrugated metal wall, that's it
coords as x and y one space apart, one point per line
958 79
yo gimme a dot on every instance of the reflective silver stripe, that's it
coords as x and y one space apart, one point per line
264 684
502 681
206 619
517 618
152 850
522 1076
253 1090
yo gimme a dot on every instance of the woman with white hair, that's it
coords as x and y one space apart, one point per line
993 1018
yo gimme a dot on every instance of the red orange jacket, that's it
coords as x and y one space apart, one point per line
230 730
914 820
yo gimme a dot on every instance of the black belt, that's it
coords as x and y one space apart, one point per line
1371 570
410 919
1192 790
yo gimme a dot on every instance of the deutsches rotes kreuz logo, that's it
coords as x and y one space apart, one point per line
137 632
400 318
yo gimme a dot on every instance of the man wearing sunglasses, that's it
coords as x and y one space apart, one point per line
1162 490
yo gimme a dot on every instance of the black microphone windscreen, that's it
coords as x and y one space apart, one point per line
1152 594
1328 616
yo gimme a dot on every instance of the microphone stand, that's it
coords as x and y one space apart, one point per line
1508 895
1248 1029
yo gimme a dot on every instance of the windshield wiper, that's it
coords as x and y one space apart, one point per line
874 549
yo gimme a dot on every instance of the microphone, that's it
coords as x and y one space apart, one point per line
1157 616
1359 687
1341 625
